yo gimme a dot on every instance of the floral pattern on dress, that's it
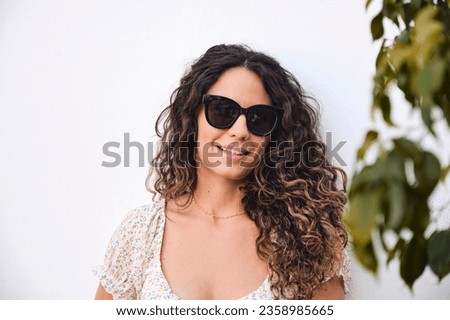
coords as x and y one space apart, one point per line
132 266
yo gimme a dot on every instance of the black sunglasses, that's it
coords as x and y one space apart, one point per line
222 113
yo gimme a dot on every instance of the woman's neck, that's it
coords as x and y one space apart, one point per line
218 196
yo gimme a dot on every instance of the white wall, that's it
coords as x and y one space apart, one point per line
77 74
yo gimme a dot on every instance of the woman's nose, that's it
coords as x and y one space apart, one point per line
239 129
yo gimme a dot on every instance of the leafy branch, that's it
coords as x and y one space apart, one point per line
389 197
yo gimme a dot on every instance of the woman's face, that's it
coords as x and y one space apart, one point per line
232 153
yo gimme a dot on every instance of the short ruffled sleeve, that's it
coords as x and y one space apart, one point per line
345 271
120 272
342 270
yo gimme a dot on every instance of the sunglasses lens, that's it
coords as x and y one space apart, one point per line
221 113
261 120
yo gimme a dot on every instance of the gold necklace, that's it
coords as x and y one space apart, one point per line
212 214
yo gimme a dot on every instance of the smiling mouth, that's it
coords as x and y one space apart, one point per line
233 151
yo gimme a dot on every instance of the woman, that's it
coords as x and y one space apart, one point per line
248 205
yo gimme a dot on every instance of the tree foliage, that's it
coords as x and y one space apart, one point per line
389 197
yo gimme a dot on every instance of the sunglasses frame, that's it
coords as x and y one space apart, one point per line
208 98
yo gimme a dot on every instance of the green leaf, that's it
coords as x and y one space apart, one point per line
407 148
394 167
399 55
407 14
428 35
416 4
368 3
380 61
396 198
394 204
371 137
392 10
385 105
366 255
417 215
427 119
413 260
362 216
376 26
439 253
371 177
427 171
403 78
403 37
430 80
404 83
428 30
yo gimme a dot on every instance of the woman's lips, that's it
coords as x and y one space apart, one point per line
233 151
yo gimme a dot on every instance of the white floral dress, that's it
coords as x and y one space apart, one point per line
132 266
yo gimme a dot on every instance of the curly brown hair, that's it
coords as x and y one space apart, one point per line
295 195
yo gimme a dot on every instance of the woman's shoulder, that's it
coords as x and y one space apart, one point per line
342 270
127 249
139 226
147 211
143 217
345 270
